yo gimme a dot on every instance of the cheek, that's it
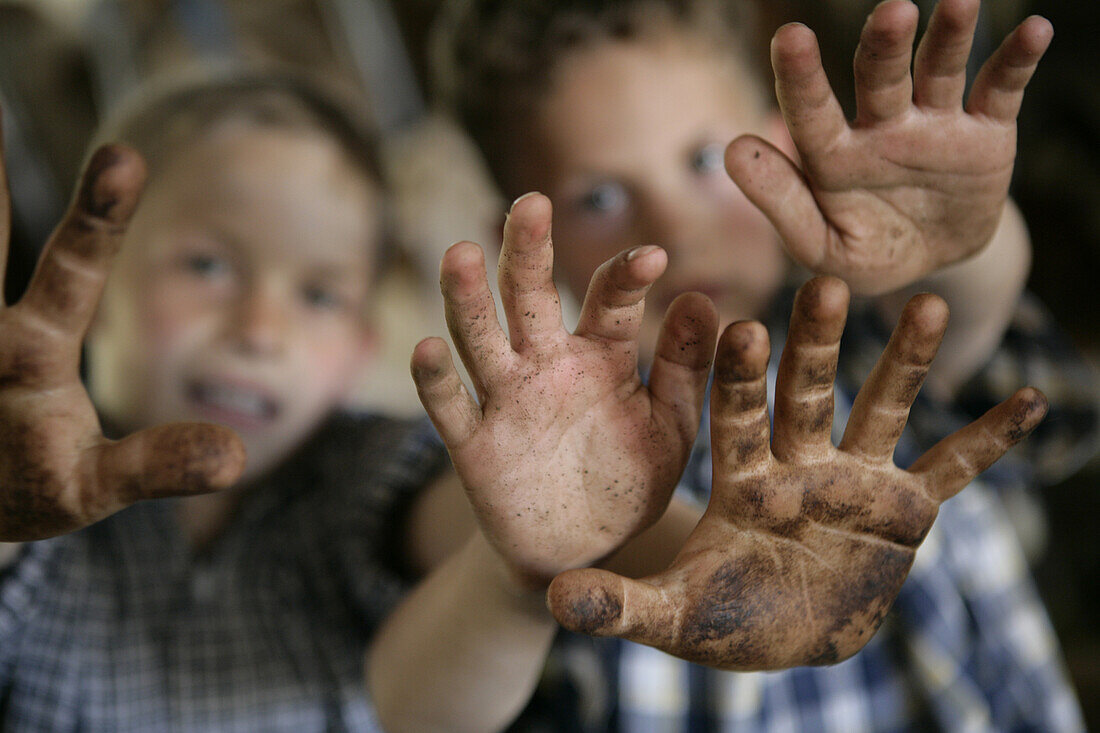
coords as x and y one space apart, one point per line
748 236
740 214
329 362
152 336
170 319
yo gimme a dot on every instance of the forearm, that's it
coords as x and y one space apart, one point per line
464 651
25 577
654 549
8 552
982 293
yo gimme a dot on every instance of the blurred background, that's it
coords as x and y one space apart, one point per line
64 62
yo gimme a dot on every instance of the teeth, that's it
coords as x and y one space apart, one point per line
235 400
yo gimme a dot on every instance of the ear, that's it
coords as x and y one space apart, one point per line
779 136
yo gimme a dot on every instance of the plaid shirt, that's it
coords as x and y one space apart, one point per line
967 645
120 627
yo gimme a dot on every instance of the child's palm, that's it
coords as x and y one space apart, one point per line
804 545
917 182
895 208
57 471
569 454
584 456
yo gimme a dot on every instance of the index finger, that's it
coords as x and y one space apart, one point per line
68 281
884 88
810 109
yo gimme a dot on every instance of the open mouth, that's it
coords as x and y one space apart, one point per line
235 405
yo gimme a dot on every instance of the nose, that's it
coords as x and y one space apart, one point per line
261 322
675 220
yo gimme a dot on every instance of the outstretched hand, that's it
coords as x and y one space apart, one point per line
58 472
566 454
917 181
804 545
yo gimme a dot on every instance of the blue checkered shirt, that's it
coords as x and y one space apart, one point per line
120 627
967 645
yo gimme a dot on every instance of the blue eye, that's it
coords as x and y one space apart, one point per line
322 298
708 159
605 198
206 265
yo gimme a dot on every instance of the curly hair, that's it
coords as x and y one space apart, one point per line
492 60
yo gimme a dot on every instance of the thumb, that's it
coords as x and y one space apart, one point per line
601 603
170 460
776 185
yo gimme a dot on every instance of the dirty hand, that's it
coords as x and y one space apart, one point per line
566 454
917 181
804 545
58 472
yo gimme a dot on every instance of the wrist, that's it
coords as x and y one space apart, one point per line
523 591
1003 262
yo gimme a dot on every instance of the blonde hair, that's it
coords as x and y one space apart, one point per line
170 114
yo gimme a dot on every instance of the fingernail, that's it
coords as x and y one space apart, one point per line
99 195
641 251
529 194
93 199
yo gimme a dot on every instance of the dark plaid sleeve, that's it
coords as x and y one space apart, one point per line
20 582
375 468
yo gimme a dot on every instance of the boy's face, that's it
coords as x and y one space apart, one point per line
629 145
240 293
